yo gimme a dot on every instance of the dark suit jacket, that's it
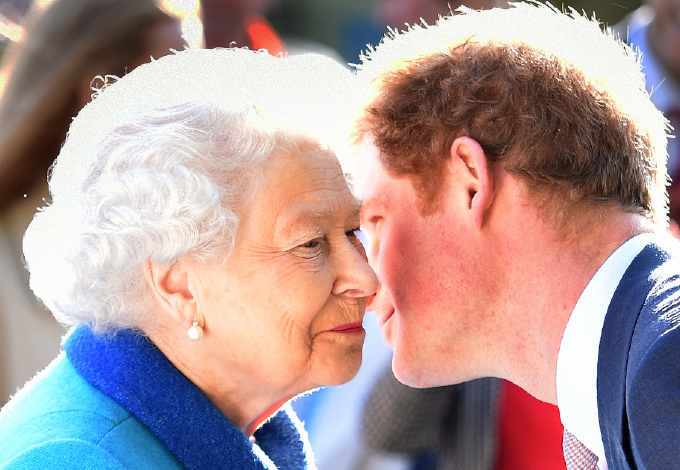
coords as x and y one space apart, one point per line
638 372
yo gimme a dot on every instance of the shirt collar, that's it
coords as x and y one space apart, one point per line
577 357
132 371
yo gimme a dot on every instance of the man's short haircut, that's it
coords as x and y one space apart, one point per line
550 96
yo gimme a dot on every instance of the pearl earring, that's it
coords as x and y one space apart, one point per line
195 332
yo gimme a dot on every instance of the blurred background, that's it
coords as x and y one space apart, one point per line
47 64
342 25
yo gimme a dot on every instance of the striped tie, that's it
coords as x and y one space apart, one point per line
577 456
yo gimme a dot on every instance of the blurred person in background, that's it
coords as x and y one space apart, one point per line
239 23
9 30
244 23
47 79
483 424
654 29
397 14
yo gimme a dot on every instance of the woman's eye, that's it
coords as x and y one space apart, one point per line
354 233
357 237
312 244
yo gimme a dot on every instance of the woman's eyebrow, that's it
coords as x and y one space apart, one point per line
357 205
301 215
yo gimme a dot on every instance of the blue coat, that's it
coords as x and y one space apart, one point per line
118 403
638 377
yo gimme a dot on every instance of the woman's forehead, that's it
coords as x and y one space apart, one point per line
305 188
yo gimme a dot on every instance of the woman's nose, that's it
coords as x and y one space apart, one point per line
355 277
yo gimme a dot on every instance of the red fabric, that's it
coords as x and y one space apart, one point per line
530 432
263 36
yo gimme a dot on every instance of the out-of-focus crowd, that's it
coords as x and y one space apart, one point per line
54 52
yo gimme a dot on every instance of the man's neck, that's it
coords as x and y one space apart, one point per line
547 278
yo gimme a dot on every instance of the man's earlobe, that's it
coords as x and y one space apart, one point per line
477 178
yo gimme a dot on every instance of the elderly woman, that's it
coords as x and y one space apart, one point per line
201 243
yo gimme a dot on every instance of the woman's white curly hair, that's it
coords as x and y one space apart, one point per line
159 166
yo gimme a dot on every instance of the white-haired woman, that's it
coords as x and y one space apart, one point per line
201 243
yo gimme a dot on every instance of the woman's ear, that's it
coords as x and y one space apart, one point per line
477 177
171 287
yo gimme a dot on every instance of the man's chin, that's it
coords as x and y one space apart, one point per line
419 375
409 366
411 374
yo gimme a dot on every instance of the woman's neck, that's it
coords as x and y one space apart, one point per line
234 394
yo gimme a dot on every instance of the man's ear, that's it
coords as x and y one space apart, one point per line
477 177
171 286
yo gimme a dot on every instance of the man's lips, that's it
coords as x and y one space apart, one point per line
349 328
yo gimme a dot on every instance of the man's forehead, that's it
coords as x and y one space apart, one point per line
368 171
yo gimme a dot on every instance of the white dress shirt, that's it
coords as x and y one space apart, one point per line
577 357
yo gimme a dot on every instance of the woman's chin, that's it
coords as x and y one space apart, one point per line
342 370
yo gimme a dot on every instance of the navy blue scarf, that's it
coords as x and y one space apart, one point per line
133 372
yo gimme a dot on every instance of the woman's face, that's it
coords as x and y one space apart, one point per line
285 310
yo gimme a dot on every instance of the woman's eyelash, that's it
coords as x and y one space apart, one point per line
315 243
353 233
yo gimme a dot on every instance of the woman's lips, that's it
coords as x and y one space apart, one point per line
349 328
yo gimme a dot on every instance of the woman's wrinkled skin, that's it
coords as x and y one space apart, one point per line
283 314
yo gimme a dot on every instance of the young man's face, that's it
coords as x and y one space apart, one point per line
430 303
